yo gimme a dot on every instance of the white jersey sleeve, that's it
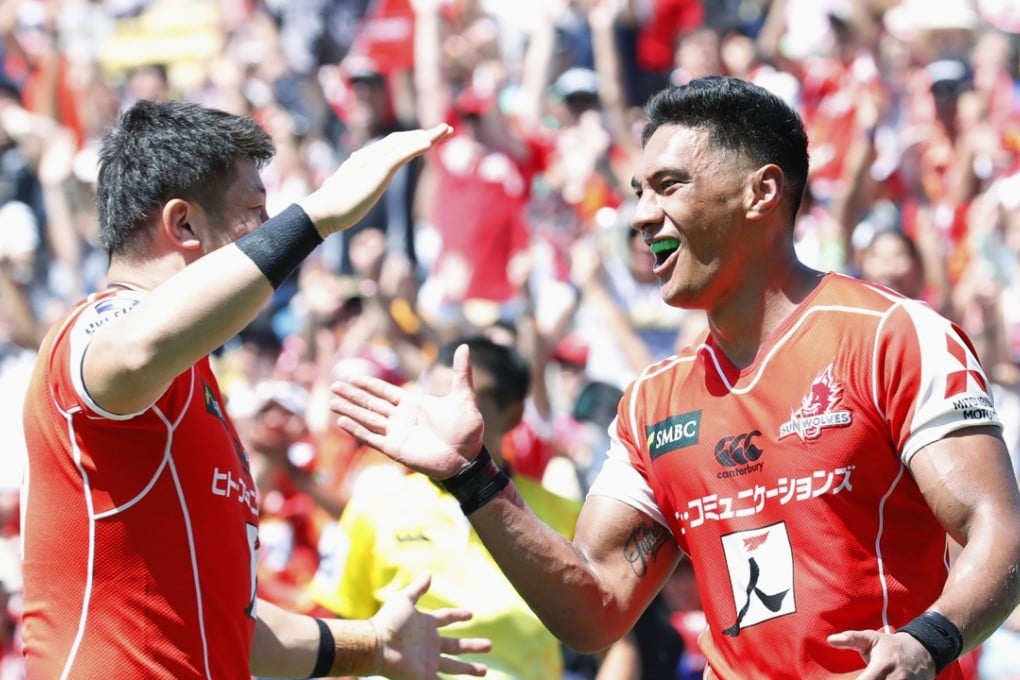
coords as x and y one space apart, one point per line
951 391
620 480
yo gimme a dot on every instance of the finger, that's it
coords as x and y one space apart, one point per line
350 391
457 667
373 439
859 640
365 418
462 376
439 132
377 387
416 588
450 645
371 421
408 144
445 617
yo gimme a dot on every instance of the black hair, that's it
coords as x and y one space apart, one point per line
741 117
164 150
597 403
510 374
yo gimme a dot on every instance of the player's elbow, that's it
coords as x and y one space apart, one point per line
594 634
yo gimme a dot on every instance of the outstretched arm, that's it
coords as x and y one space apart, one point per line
588 593
132 359
399 642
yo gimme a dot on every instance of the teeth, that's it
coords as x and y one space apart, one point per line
666 245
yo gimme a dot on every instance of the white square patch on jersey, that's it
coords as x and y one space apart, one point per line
760 566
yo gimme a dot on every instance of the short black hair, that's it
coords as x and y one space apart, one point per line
164 150
741 117
597 403
510 373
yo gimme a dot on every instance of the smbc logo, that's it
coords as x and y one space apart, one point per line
738 450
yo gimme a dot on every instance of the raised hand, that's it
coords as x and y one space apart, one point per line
433 434
412 646
356 185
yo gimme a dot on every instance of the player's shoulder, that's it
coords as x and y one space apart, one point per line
843 290
98 309
896 312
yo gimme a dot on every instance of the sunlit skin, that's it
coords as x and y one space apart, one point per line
197 232
733 226
688 191
243 210
439 380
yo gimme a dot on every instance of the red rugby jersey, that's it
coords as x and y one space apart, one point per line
139 531
786 482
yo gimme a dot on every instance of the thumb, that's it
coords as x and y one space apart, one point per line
859 640
463 377
417 587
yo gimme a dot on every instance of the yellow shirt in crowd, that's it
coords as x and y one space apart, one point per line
394 530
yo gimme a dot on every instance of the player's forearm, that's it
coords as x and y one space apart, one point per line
288 645
983 587
556 580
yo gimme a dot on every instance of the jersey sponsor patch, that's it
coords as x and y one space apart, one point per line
675 432
760 566
99 314
817 409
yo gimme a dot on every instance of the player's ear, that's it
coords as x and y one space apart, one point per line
765 191
175 225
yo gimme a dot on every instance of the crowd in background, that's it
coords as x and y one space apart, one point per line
517 227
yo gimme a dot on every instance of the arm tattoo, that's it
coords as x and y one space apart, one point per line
643 545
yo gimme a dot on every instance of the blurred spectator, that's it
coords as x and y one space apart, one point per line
620 313
364 101
687 617
583 438
480 178
892 259
648 34
293 506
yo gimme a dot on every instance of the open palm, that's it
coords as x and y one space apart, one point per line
432 434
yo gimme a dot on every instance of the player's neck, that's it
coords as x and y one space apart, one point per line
758 310
143 274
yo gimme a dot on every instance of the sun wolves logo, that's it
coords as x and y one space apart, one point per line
816 409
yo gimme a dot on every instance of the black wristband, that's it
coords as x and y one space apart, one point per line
327 651
938 635
476 484
280 244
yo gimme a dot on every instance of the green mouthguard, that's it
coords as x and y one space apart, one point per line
665 245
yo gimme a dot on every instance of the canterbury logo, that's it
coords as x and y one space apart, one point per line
739 450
